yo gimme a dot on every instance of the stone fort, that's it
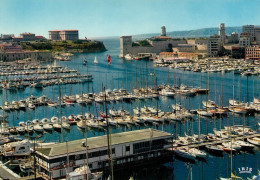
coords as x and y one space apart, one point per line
155 44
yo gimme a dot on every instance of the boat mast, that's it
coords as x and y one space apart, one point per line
60 105
233 86
68 161
109 147
86 150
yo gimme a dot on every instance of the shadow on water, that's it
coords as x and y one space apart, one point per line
152 172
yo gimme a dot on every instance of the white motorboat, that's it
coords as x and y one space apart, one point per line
167 92
81 173
82 124
256 100
22 105
238 110
38 128
198 153
184 153
235 103
54 119
214 149
128 57
232 145
57 126
65 125
45 120
47 127
31 105
209 104
221 133
254 141
36 121
52 104
244 145
29 128
205 113
20 129
112 122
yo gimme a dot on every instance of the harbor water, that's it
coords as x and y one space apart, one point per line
130 74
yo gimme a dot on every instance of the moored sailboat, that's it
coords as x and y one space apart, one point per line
95 60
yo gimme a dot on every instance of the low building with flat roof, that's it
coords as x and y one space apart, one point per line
127 148
20 55
27 37
6 36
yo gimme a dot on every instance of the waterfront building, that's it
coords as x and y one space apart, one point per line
7 36
213 45
250 29
20 55
244 40
63 35
180 56
163 55
190 55
184 48
153 45
257 34
199 41
237 52
222 33
200 44
27 37
128 148
10 48
233 38
252 52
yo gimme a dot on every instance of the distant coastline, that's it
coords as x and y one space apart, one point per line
195 33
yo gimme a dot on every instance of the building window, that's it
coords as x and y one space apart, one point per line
90 165
127 148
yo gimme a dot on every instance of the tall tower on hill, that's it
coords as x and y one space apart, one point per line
222 33
163 33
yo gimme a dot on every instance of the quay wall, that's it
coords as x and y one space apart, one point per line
33 55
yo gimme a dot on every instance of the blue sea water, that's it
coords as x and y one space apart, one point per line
131 74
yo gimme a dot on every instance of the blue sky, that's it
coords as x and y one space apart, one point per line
97 18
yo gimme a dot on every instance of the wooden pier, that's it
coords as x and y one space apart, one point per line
202 144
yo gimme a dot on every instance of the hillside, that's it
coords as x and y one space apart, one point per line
204 32
66 46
